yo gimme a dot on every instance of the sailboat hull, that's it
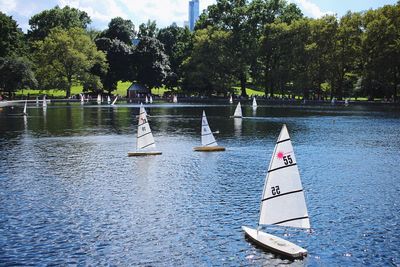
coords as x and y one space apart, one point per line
275 244
143 153
209 148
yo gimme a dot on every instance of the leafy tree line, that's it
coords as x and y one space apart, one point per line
267 44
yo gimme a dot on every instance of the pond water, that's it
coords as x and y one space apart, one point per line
70 195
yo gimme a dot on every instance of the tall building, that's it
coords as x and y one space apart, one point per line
193 13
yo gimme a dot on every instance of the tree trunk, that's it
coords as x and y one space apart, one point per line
68 89
243 84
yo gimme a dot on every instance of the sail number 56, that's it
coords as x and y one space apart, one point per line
287 160
275 190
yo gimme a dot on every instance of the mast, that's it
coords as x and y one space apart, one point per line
283 201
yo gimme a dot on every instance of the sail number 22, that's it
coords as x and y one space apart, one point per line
275 190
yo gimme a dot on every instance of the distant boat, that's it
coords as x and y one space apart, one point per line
238 111
230 100
99 99
254 103
115 100
82 99
144 139
346 102
26 104
151 100
37 101
282 202
175 99
333 101
108 99
44 102
208 143
146 100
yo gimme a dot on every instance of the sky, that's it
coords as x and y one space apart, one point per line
164 12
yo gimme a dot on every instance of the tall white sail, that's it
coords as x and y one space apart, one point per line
254 102
37 101
115 100
146 100
44 102
238 111
283 201
144 136
108 99
175 99
82 98
207 137
230 100
151 100
26 103
98 99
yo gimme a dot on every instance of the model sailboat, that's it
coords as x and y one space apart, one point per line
238 111
144 140
99 100
151 100
230 100
44 102
26 103
108 99
175 99
146 100
282 202
254 103
208 143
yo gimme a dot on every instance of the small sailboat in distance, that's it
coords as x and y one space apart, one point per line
282 201
151 99
108 99
238 111
115 100
254 103
230 100
175 99
146 100
82 98
99 100
144 138
26 103
208 143
44 102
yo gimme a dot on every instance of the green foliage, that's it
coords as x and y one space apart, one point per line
151 62
209 68
149 29
65 57
121 29
15 73
11 38
65 18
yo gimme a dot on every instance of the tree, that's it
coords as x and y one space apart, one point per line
208 70
15 73
149 29
177 44
11 37
121 29
119 58
151 62
65 57
65 18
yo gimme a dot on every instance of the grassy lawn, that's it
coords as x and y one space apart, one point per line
249 91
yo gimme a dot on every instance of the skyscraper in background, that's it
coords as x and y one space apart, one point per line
193 13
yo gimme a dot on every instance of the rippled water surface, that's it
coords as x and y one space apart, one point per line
70 195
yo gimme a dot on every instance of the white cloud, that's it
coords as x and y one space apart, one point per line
7 6
310 8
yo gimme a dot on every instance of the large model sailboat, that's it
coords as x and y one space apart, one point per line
238 111
208 143
282 202
144 140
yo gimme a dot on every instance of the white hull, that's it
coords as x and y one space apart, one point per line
275 244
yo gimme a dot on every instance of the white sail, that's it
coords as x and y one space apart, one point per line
82 98
146 100
238 111
37 101
254 102
207 137
98 98
44 102
346 102
175 99
283 201
26 103
115 100
151 100
108 99
144 136
230 100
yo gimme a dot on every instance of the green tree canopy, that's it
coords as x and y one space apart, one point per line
65 18
16 73
11 37
65 57
121 29
148 29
